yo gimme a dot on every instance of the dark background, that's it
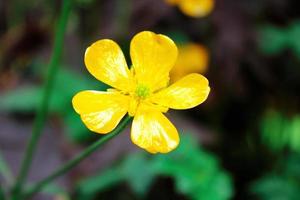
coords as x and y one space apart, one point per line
248 130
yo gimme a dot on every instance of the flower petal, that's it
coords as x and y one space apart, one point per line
196 8
188 92
153 56
100 111
105 61
152 131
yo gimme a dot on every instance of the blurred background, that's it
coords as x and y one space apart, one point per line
242 143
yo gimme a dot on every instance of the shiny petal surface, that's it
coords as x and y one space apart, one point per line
100 111
153 56
196 8
188 92
105 61
152 131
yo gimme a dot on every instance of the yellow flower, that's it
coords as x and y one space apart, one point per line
141 91
194 8
192 58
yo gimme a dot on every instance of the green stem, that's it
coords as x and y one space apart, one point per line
43 108
72 163
2 196
5 171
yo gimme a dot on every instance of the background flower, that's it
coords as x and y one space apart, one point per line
194 8
192 58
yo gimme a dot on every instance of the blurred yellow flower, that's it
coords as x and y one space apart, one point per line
192 58
194 8
141 91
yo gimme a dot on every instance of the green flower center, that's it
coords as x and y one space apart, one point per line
142 91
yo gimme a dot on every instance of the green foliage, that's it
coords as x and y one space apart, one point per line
56 190
282 184
67 84
84 2
135 169
273 40
201 178
196 173
24 99
293 37
179 37
272 129
2 196
279 132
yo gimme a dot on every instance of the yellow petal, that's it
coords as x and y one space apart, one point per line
105 61
188 92
192 58
196 8
153 56
100 111
152 131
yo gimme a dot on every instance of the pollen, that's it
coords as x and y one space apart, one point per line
142 91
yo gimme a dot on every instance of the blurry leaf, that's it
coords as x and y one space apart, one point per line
75 129
272 129
201 178
88 188
67 84
281 184
139 173
272 40
293 37
178 37
196 173
24 99
291 166
276 188
136 170
280 132
294 129
57 191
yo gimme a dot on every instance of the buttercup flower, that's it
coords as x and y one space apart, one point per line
141 91
192 58
194 8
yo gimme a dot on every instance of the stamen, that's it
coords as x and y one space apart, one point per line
142 91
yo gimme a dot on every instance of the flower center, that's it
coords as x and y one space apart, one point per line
142 91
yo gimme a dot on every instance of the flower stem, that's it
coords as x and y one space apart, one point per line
2 196
72 163
5 170
43 108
